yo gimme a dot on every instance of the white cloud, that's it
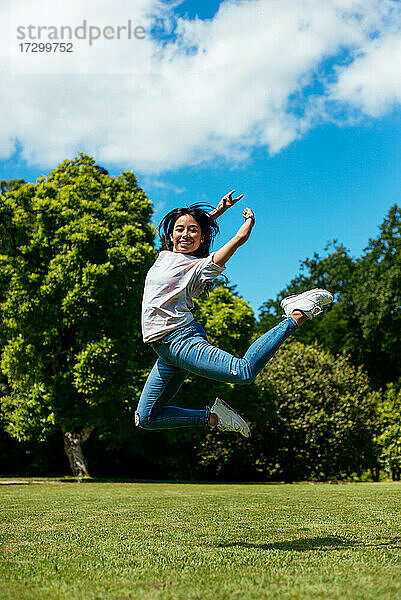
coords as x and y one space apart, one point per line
372 83
213 91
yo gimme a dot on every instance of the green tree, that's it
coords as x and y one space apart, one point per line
389 437
74 251
324 414
376 296
227 318
10 185
313 416
230 324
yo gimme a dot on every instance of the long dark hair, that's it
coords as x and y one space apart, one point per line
199 212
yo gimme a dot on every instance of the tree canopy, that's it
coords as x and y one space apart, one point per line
313 417
74 251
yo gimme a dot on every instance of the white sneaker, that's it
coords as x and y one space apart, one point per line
310 302
229 420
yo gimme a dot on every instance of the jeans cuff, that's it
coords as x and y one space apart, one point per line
207 418
293 320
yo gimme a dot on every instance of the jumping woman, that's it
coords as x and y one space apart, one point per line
182 271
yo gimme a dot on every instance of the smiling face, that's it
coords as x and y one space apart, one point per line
187 235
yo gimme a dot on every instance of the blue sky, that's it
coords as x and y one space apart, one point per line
310 135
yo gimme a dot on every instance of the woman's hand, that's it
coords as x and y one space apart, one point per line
248 214
227 201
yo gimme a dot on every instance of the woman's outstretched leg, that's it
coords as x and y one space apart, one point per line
194 353
189 349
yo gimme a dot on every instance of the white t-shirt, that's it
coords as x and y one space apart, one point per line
170 285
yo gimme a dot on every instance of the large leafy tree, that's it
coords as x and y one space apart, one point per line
230 323
313 416
316 419
325 414
75 248
376 297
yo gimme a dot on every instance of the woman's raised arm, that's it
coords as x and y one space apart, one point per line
221 256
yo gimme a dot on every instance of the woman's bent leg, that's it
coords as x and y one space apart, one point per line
162 385
195 354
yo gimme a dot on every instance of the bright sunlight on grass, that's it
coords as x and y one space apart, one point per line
199 542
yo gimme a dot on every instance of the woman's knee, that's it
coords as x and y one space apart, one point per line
241 371
243 376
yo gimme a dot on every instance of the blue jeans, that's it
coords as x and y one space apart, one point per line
186 350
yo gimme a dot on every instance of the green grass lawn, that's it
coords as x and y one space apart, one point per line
198 542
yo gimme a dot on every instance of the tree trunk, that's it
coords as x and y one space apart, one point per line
73 450
375 473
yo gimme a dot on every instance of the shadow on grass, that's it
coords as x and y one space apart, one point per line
316 543
394 543
300 545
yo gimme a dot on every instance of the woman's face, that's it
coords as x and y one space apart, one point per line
187 235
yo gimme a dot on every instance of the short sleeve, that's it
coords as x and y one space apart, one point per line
206 270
